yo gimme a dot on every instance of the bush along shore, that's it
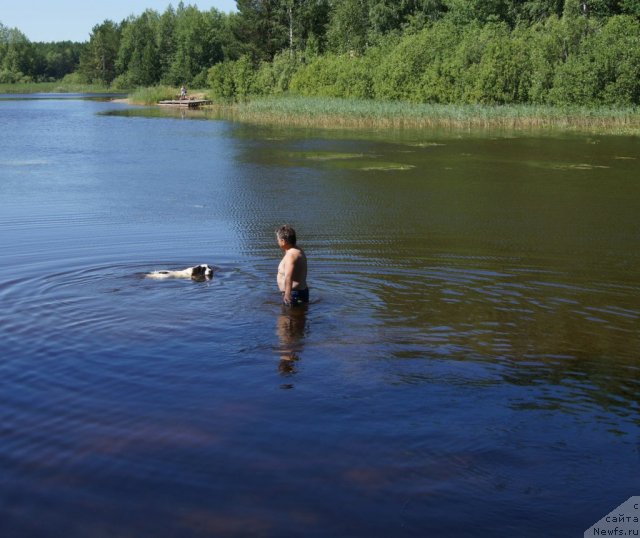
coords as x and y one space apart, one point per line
558 61
568 72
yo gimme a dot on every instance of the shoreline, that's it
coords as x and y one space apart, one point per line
347 114
340 113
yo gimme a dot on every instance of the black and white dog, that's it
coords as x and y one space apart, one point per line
199 272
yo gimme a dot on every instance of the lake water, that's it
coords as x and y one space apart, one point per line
469 364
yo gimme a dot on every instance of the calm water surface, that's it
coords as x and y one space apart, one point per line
469 364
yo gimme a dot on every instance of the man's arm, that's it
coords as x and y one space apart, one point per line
289 264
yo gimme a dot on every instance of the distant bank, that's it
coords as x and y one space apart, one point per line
339 113
333 112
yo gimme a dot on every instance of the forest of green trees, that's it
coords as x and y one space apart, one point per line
436 51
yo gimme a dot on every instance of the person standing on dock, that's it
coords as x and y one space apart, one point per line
292 271
183 92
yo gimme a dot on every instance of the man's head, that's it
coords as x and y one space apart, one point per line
287 234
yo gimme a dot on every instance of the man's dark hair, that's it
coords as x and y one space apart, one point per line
287 234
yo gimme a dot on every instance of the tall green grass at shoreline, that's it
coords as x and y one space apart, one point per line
54 87
347 113
141 96
152 94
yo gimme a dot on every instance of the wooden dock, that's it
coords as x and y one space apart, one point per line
185 103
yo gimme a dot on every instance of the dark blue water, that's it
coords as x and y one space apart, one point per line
469 364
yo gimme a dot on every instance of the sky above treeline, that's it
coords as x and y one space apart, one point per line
72 20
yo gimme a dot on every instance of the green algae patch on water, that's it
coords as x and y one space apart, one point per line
348 161
328 156
372 166
567 166
386 167
425 144
581 166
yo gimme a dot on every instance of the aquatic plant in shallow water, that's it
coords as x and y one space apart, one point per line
565 166
351 161
370 114
153 94
328 156
385 167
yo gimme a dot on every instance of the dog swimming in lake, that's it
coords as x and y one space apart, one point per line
200 273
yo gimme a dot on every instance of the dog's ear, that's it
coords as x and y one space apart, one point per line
197 272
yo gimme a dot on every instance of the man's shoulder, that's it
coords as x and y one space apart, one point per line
295 253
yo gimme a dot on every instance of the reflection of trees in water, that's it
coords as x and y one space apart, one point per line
290 328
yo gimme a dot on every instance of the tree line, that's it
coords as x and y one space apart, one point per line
448 51
23 61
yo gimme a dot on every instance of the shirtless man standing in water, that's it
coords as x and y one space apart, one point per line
292 271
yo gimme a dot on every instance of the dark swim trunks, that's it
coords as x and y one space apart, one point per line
299 297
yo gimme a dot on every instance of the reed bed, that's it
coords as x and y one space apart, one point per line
52 87
346 113
153 94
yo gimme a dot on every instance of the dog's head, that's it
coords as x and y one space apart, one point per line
202 272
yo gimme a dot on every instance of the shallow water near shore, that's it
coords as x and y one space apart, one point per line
469 364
